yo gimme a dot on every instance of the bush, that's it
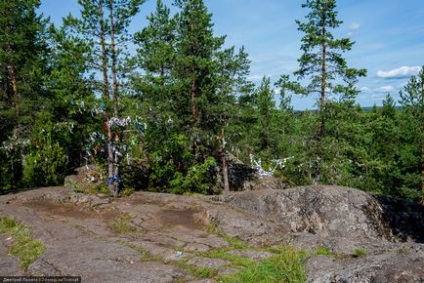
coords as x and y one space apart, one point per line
46 163
200 178
10 169
45 167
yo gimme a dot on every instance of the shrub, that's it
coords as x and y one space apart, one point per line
45 167
199 179
10 169
46 163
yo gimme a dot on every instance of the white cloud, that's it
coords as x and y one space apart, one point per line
402 72
353 28
365 89
387 88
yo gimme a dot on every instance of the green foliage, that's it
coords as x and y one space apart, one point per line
286 266
192 101
200 178
123 225
45 166
412 98
46 161
323 250
25 247
169 161
11 168
88 188
23 75
359 252
23 66
126 192
326 73
186 95
325 66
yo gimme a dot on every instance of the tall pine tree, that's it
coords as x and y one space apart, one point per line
323 65
104 26
412 98
23 62
23 70
188 89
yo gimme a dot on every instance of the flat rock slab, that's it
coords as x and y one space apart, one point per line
9 265
172 234
210 263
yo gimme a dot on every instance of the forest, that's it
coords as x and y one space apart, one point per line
160 109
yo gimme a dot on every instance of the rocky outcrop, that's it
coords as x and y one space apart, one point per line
366 238
325 211
349 235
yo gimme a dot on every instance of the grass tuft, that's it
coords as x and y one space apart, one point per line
286 266
25 247
359 252
123 224
126 192
323 250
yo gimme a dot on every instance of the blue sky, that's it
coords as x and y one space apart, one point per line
389 38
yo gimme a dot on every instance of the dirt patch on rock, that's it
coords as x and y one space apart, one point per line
60 209
182 220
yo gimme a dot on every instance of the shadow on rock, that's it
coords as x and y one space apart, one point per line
404 218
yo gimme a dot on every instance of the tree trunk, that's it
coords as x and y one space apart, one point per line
322 101
422 182
115 87
193 94
111 163
422 141
422 175
104 54
114 60
14 96
225 174
106 97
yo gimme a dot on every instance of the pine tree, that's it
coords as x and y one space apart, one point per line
196 48
73 110
412 98
156 56
187 92
104 25
265 105
322 63
23 54
23 70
